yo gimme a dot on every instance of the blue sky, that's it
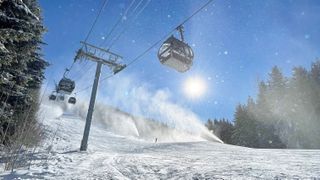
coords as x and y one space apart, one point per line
236 43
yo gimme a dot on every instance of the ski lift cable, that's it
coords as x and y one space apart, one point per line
109 34
81 72
96 20
117 23
105 2
169 33
129 24
156 43
112 41
127 10
140 2
87 88
119 20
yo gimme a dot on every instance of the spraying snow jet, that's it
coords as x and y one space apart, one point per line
167 121
141 100
123 123
50 110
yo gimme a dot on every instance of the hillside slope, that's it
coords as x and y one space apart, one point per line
112 156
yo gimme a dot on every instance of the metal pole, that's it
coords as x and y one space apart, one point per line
84 142
181 30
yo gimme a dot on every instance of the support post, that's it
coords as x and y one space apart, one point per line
181 30
84 142
101 57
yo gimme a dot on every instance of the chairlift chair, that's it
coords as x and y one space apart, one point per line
72 100
52 97
65 86
61 97
176 53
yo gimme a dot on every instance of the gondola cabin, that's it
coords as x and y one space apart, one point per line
176 54
52 97
72 100
65 86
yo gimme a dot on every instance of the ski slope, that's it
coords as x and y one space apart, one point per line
112 156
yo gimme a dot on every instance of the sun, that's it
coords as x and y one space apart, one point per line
194 87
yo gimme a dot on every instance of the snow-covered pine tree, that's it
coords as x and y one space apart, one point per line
21 65
245 133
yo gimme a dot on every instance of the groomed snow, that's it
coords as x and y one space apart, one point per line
117 157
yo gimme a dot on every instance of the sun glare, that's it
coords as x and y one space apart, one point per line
194 87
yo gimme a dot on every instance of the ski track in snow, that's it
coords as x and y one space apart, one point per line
115 157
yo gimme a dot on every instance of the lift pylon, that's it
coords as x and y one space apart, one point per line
101 57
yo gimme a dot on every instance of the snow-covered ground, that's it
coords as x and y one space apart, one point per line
112 156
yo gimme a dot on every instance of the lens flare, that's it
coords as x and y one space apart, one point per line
194 87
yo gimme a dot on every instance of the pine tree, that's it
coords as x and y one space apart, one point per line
209 124
245 133
226 131
276 81
21 65
304 91
286 113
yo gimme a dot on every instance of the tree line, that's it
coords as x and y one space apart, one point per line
285 113
21 70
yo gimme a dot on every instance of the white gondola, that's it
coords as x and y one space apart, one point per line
176 53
